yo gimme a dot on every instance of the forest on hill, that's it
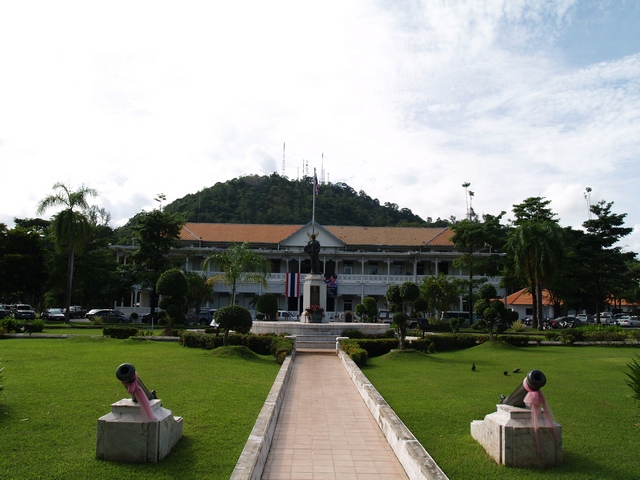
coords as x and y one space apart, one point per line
275 199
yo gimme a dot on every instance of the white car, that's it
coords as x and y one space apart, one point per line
629 321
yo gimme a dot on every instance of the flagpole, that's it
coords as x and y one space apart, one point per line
313 209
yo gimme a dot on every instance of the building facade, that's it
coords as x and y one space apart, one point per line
357 261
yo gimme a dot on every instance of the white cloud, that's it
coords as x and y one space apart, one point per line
406 101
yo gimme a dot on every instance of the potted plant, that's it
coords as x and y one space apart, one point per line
315 313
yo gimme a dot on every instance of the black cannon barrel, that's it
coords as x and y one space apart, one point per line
126 373
535 381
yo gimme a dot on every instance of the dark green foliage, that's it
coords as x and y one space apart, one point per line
10 325
353 333
377 347
234 317
368 309
37 326
119 332
447 342
267 303
518 340
174 288
634 377
274 345
358 354
277 200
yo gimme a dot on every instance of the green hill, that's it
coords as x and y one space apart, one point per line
277 200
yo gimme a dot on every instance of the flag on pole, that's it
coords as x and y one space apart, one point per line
316 186
292 285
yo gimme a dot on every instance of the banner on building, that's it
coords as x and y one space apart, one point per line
293 285
331 280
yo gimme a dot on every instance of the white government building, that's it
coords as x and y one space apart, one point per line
363 261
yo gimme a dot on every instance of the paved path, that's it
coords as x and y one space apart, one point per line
325 431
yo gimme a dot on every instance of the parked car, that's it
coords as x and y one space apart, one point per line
109 316
384 316
283 315
203 318
76 311
53 315
24 312
3 312
628 321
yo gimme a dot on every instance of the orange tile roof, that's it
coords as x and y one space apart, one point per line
237 233
409 236
274 234
522 297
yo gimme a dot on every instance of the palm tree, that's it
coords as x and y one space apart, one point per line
238 265
537 252
71 226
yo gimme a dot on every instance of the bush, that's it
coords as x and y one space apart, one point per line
356 353
516 340
119 332
518 326
134 316
37 326
280 348
634 377
353 333
447 342
96 320
10 325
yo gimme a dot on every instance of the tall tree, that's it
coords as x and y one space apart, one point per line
607 261
71 226
478 242
537 250
155 233
238 265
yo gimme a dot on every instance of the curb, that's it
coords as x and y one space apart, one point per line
413 457
254 454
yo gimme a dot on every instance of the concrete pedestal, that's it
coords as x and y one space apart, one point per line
124 435
508 437
315 293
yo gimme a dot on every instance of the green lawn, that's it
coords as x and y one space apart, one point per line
438 395
55 391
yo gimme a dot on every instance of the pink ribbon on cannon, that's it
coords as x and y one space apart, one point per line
535 399
134 389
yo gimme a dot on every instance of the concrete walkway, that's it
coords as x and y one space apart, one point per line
325 430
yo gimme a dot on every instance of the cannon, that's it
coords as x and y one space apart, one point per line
535 380
126 373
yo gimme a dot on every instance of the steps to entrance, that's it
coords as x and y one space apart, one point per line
316 343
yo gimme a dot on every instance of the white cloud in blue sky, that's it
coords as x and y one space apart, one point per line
406 100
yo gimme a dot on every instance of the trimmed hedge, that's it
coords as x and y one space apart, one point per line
119 332
268 344
353 349
448 342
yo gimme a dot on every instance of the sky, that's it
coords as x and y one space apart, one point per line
404 100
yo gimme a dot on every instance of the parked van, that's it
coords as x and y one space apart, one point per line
285 316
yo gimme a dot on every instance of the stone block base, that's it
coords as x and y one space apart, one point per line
508 437
124 435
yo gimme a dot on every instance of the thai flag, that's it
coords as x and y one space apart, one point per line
293 285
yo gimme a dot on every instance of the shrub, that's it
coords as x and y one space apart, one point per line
356 353
455 323
447 342
517 340
634 377
134 315
280 348
10 325
37 326
353 333
96 320
377 347
119 332
439 325
518 326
